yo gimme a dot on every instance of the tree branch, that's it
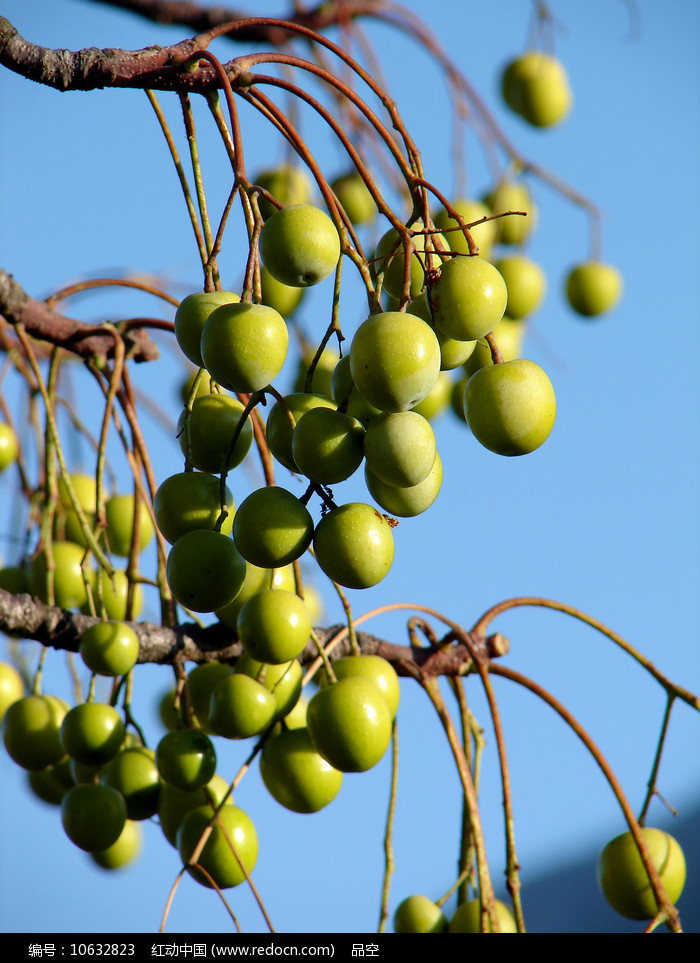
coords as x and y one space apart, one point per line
85 340
26 617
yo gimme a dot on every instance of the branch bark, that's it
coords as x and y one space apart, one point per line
23 616
84 340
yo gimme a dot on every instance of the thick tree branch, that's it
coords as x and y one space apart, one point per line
23 616
85 340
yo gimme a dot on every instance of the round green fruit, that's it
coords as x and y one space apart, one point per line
93 816
437 400
350 724
244 345
112 603
394 360
536 87
371 667
11 687
201 682
84 488
287 183
133 773
186 759
282 297
274 626
400 448
509 337
119 512
272 528
191 316
418 914
124 851
191 500
346 394
221 863
322 373
453 353
174 804
593 288
300 245
207 439
256 580
92 733
327 446
9 446
354 545
513 196
282 421
623 878
390 258
51 784
468 299
467 918
283 680
526 284
31 730
205 570
484 235
354 195
296 775
510 407
241 707
406 502
109 648
68 584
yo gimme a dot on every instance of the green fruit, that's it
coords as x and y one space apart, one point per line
283 680
512 196
191 500
406 502
274 626
241 707
272 528
526 284
353 194
536 87
484 235
192 315
400 448
371 667
93 816
51 784
296 775
282 297
84 488
350 724
394 360
468 299
9 446
244 346
119 512
186 759
174 804
467 918
256 580
211 426
327 446
11 686
115 593
418 914
344 391
287 183
205 570
354 545
623 877
280 427
510 407
109 648
509 336
124 851
593 288
133 773
31 731
437 399
390 258
68 584
201 682
453 353
92 733
217 857
300 245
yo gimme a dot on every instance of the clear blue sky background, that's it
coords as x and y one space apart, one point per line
604 516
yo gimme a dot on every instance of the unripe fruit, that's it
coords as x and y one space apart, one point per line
92 733
468 299
327 445
186 759
484 235
390 259
205 570
93 816
418 914
406 502
11 686
272 528
191 500
31 731
124 851
191 316
513 196
287 183
467 918
354 545
109 648
300 245
217 858
244 346
9 446
274 626
400 448
353 194
526 285
296 775
350 724
623 877
593 288
119 511
206 441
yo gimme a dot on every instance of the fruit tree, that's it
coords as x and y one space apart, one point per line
337 557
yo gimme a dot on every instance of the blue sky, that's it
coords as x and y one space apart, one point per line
604 516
